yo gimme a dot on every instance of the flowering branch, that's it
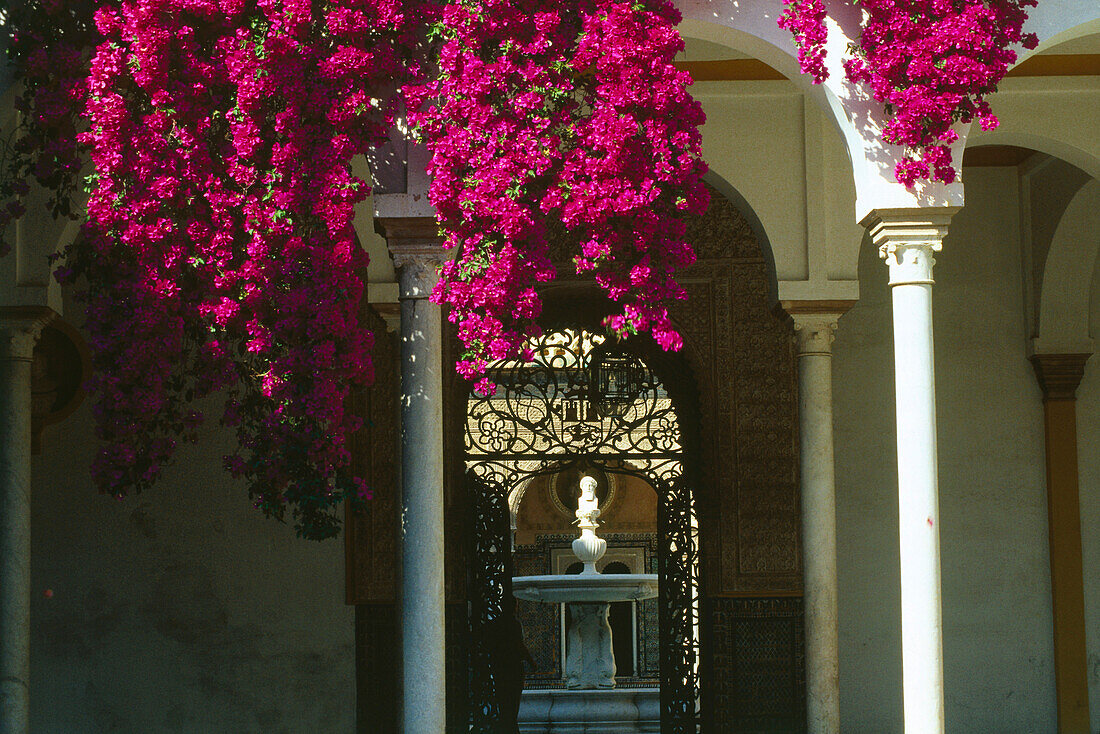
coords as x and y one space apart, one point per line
539 115
219 249
48 55
932 63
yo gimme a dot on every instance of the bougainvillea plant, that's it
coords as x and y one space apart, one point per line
219 254
575 116
930 62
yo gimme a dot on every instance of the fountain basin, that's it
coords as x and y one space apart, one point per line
590 588
589 661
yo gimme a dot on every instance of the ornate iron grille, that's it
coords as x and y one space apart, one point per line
542 419
490 583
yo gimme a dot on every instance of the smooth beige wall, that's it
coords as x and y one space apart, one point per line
998 655
183 609
1088 458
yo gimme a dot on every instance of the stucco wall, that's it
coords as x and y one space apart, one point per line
1088 458
185 611
998 655
181 610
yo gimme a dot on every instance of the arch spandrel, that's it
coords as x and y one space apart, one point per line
1058 21
1065 132
751 27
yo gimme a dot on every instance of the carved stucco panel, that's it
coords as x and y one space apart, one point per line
371 533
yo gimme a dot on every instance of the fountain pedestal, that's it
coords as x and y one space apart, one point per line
607 711
589 659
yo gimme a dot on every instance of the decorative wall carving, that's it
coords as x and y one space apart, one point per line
755 679
749 408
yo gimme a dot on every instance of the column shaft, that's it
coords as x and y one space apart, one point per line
422 599
907 239
815 415
918 509
17 338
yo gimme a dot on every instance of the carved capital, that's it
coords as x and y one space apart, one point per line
815 323
20 327
1059 374
907 238
814 333
416 248
418 269
910 264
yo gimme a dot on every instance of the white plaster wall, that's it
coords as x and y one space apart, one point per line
1088 458
180 610
998 655
739 116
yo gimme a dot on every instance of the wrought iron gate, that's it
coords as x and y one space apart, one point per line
583 400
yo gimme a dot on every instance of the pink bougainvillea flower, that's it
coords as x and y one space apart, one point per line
580 117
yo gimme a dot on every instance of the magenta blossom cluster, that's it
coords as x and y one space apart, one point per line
219 251
932 63
805 19
219 254
48 51
545 113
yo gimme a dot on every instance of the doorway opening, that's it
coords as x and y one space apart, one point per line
587 405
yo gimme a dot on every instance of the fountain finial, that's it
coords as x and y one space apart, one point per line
588 507
588 548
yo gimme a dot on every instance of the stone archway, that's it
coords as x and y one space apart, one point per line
740 352
547 417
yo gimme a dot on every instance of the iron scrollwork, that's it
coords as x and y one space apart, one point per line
545 416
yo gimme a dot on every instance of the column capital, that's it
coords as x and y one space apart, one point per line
907 238
1059 374
20 327
814 333
417 250
814 323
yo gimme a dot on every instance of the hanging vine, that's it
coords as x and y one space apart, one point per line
219 256
931 63
575 116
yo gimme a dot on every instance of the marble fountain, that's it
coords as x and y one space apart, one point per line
590 702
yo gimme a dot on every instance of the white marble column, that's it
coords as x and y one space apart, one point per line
907 240
19 330
814 331
422 594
